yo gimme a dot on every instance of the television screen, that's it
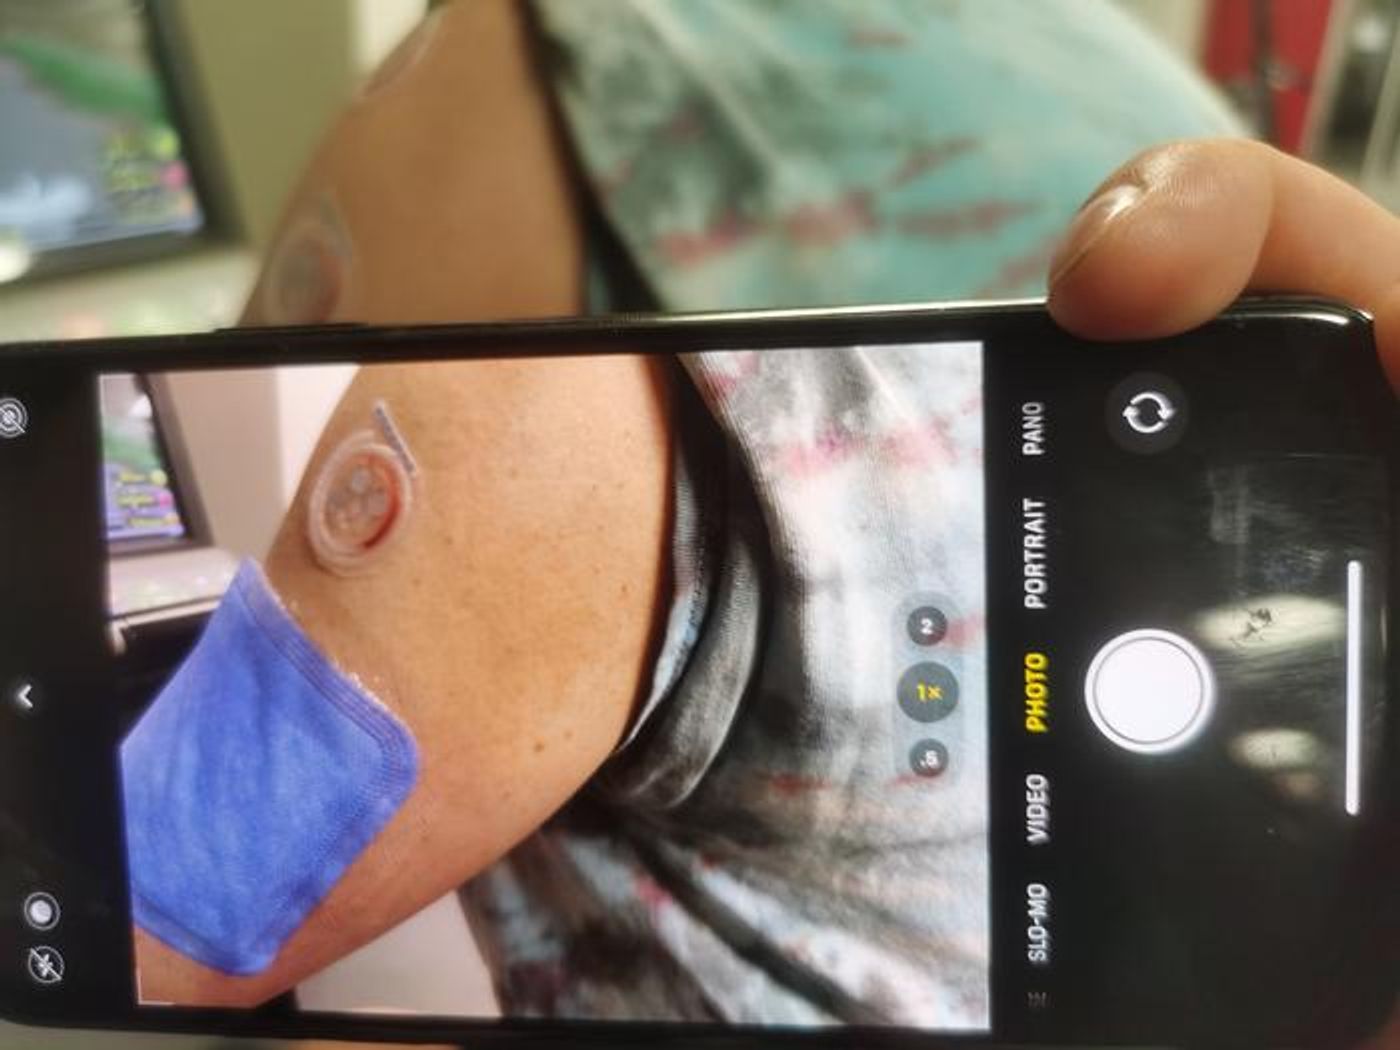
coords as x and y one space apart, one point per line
141 501
92 155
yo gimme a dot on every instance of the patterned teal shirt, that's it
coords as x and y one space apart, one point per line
758 849
821 152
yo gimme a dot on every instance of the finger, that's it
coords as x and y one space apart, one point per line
1181 231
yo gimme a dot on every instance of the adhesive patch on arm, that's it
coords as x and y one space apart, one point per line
252 782
362 497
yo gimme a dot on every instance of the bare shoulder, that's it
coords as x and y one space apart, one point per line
442 193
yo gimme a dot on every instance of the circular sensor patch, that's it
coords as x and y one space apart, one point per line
358 504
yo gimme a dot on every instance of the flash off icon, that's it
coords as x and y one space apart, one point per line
45 964
14 418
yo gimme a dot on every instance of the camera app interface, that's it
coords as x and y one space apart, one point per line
1188 579
1008 687
447 700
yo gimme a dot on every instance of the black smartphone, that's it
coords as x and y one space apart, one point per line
1010 689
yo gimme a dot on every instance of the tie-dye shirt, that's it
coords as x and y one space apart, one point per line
762 847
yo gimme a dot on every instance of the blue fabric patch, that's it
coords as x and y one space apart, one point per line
251 783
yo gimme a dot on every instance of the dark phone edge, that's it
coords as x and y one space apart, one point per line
661 334
333 343
523 1034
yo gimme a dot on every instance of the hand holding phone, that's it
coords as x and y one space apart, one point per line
1181 231
1089 955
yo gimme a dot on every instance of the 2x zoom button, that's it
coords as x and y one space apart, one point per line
927 625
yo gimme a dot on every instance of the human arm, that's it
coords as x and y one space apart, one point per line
511 625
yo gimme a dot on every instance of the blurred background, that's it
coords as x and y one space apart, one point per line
148 147
145 153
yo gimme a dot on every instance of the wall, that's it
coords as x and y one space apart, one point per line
272 76
249 435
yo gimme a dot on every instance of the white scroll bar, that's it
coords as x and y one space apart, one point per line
1353 771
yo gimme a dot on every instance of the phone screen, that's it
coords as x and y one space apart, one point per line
994 687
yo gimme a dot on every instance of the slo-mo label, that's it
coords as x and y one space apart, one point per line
1037 693
1038 924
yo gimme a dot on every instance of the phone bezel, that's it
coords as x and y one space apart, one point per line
625 334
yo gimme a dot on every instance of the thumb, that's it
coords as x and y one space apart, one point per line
1181 231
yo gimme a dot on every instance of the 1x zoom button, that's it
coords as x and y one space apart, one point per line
928 692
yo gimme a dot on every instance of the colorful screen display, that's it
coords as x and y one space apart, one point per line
138 489
91 153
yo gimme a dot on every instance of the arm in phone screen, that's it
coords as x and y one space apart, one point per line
511 625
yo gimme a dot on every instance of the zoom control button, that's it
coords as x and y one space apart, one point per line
928 692
927 625
928 758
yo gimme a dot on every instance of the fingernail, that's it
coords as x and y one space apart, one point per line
308 271
1089 225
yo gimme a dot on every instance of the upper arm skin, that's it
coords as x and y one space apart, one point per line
511 626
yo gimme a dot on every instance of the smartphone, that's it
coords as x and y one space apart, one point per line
1025 690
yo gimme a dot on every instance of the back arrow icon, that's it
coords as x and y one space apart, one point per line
22 696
